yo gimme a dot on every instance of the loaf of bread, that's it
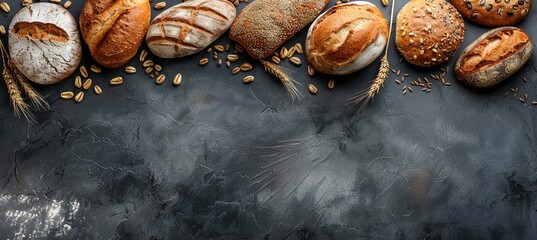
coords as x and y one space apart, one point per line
493 57
265 25
44 43
346 38
493 12
189 27
114 29
428 32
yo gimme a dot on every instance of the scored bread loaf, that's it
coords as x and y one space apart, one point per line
44 43
493 57
265 25
189 27
346 38
114 29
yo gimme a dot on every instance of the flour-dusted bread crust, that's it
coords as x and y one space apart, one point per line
189 27
114 29
493 13
493 57
44 43
428 32
264 25
346 38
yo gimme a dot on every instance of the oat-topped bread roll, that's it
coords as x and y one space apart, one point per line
428 32
44 43
114 29
264 25
189 27
493 57
346 38
493 12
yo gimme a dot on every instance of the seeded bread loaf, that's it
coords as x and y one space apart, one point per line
264 25
493 57
114 29
493 12
189 27
428 32
44 43
346 38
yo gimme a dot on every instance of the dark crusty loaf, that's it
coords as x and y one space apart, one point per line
493 57
493 12
114 29
428 32
265 25
189 27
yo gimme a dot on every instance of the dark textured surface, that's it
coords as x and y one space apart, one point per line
217 159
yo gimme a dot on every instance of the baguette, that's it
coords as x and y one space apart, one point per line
265 25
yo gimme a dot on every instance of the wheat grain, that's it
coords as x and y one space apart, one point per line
288 82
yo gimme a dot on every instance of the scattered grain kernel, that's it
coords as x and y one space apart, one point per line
67 95
245 67
130 69
79 97
83 71
236 70
67 4
331 84
295 60
116 81
177 79
204 61
312 88
95 69
248 79
311 70
158 67
87 84
160 79
143 55
97 90
78 82
160 5
232 57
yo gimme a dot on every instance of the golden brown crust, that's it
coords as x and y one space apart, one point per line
493 57
341 34
428 32
114 30
265 25
493 12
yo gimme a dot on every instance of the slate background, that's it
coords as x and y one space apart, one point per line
217 159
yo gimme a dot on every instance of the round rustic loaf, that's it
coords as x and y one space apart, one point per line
493 57
189 27
114 30
493 13
428 32
44 43
346 38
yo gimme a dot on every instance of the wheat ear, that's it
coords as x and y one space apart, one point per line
35 98
288 82
365 96
19 106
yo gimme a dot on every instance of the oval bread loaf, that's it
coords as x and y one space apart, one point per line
346 38
493 57
493 13
265 25
189 27
44 43
114 30
428 32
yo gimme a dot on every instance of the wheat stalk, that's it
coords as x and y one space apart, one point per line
365 96
288 82
19 106
35 98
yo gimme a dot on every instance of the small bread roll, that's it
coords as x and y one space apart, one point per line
44 43
493 57
346 38
428 32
